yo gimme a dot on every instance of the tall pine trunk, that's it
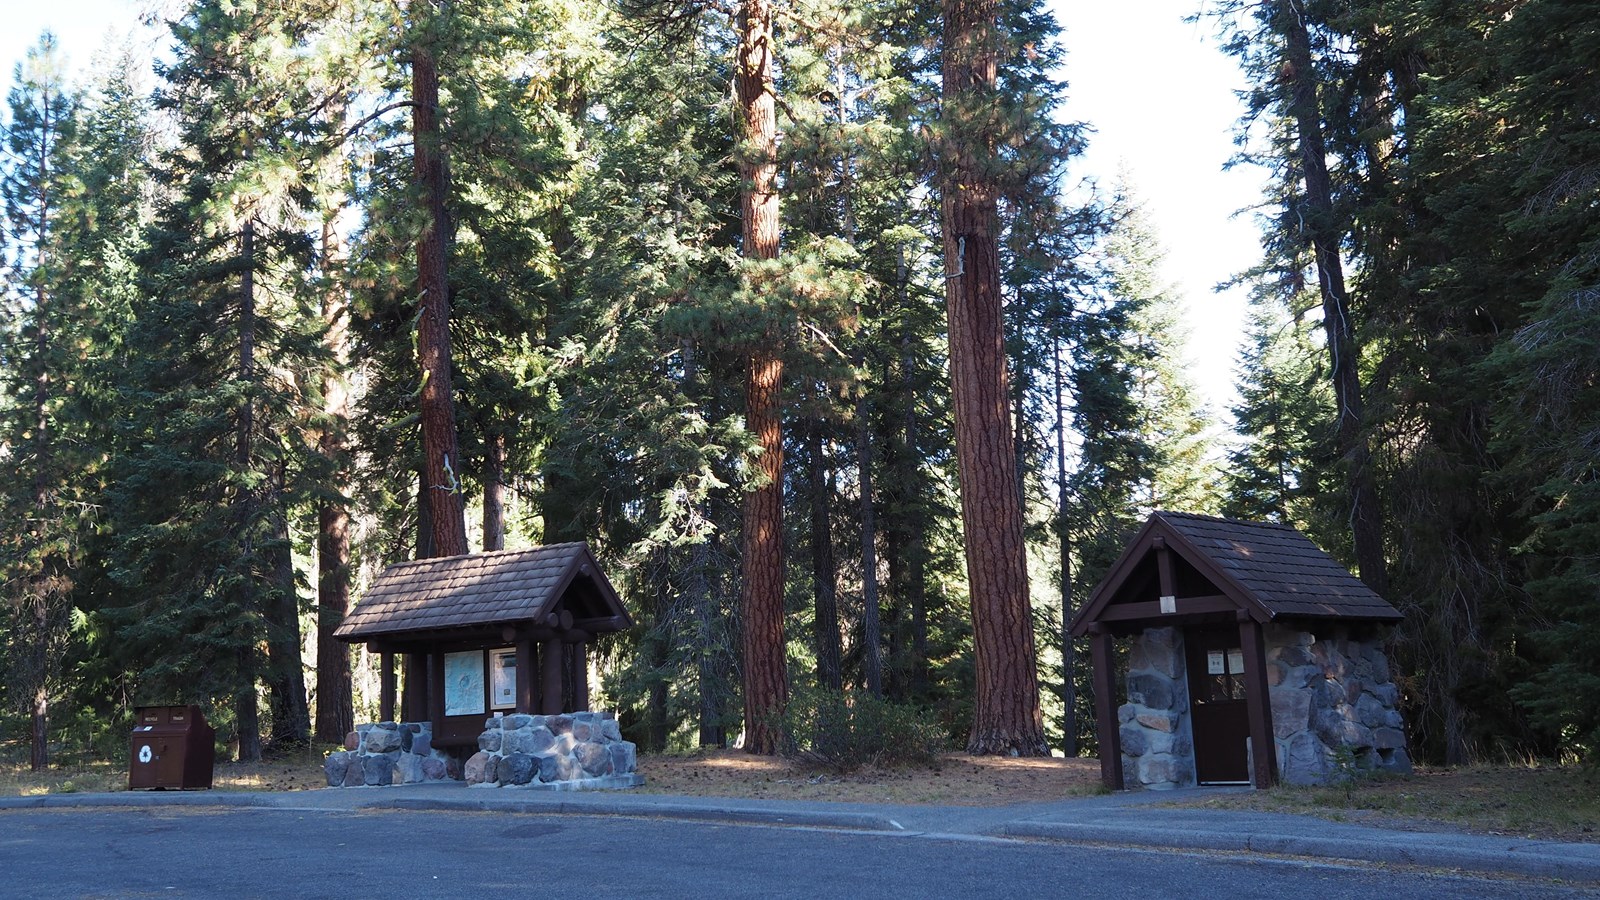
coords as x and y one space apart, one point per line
1343 348
335 699
871 628
286 681
1007 718
1069 684
441 494
824 574
247 716
916 549
494 493
766 684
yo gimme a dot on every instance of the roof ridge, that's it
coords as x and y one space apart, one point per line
429 560
1249 523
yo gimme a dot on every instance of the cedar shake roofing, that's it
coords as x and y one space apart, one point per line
1268 570
1282 568
481 589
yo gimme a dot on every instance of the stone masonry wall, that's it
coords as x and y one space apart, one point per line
1157 741
390 753
1328 692
573 751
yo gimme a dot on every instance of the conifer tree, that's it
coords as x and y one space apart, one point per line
41 518
1276 472
1007 717
212 458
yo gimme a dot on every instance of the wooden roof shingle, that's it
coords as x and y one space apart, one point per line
1266 569
482 589
1280 567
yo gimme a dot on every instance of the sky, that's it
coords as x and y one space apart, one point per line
1158 93
1162 99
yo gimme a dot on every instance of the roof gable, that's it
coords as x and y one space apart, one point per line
484 589
1265 570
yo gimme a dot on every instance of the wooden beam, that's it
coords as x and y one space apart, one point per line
1164 568
386 687
601 624
550 677
1105 707
1258 704
525 663
1151 609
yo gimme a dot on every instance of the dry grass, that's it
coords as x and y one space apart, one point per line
299 773
98 778
956 779
1542 802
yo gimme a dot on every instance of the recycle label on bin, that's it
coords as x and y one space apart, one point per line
144 753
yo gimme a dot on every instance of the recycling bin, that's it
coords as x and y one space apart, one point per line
172 747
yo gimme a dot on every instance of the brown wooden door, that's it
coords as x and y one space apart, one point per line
1217 700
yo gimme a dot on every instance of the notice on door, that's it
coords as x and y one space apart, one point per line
1236 662
1214 663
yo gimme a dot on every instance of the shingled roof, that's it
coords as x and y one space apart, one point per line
1269 570
484 589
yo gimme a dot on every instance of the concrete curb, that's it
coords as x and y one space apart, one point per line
636 809
140 799
1530 858
551 803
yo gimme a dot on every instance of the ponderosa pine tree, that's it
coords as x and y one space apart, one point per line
441 487
766 680
1007 716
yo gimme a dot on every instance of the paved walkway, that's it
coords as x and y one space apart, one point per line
1126 819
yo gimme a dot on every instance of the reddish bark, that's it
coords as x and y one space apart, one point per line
441 459
766 685
1007 716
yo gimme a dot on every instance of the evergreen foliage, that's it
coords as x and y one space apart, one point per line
174 349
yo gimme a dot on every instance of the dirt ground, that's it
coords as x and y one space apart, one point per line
955 780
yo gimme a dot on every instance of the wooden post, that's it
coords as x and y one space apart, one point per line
550 676
436 696
1105 706
525 658
414 698
1258 705
580 677
386 687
